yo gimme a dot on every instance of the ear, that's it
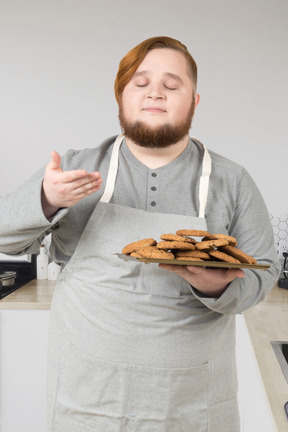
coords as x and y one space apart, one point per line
197 99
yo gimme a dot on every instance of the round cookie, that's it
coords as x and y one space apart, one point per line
232 240
133 247
174 237
193 233
192 254
238 254
223 257
188 259
210 244
154 252
136 255
175 245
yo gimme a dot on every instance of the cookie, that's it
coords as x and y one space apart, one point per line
133 247
174 237
238 254
136 255
154 252
186 254
210 244
232 240
188 259
175 245
223 257
193 233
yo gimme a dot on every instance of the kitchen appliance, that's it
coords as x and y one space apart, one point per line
283 282
14 274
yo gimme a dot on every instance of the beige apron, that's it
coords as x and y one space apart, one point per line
131 348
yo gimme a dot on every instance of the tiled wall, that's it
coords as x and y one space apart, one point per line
280 228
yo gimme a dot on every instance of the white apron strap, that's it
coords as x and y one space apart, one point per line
204 183
203 186
112 172
204 180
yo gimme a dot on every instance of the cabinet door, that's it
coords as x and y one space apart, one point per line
23 360
254 407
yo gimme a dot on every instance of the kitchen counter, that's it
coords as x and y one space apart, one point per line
266 322
36 294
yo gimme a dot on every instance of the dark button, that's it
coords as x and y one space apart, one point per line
153 203
153 188
154 175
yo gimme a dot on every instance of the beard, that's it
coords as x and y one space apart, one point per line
156 137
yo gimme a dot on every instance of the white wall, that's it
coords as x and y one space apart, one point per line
58 60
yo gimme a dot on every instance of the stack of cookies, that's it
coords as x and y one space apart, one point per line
184 246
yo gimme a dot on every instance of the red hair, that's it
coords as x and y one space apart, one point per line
132 60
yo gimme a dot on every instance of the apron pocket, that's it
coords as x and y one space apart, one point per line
96 395
168 400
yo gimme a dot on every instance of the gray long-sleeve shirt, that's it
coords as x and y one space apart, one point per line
234 206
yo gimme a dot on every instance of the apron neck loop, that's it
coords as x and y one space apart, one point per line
113 169
112 172
204 182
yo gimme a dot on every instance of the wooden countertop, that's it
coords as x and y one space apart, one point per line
36 294
266 322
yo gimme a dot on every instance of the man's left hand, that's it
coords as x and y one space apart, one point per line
210 282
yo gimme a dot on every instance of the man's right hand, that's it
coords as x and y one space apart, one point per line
66 188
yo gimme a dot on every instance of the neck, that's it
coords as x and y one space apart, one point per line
157 157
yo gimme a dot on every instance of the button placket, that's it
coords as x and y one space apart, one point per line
153 191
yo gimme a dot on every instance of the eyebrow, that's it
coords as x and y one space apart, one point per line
166 74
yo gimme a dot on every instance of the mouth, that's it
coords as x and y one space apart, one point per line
154 110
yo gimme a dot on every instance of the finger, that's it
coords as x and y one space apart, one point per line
87 189
79 184
236 273
81 188
55 162
201 273
229 272
80 177
179 269
196 270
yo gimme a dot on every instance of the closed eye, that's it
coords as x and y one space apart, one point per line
170 88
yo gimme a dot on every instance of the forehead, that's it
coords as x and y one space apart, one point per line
164 61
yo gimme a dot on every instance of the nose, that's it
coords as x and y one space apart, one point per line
155 92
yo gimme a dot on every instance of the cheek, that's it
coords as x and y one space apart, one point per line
130 104
182 108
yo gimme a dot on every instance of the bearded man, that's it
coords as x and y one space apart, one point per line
135 347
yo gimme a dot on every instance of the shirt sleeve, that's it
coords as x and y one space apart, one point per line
250 224
23 223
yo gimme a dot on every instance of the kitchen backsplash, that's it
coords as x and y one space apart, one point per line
280 228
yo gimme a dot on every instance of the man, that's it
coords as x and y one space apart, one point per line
137 347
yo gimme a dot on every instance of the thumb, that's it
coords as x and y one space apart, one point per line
55 162
236 273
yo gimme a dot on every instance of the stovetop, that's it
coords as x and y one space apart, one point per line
25 272
19 281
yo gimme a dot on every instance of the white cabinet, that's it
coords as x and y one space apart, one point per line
23 360
254 407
